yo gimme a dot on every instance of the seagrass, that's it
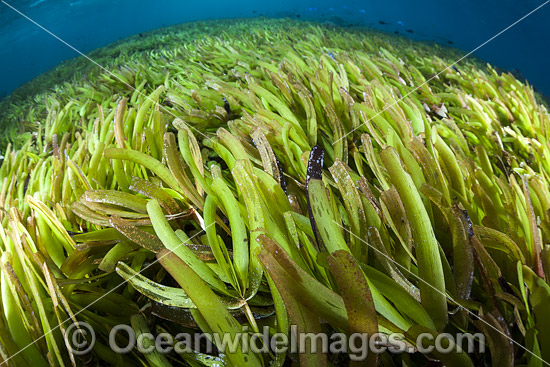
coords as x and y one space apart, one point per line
232 175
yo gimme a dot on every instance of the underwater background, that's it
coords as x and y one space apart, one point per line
27 51
223 168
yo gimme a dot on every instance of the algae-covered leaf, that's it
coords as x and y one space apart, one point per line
357 297
194 150
169 296
175 164
305 321
213 311
173 243
119 123
353 205
462 232
266 153
121 199
493 239
498 339
153 191
391 267
300 285
144 239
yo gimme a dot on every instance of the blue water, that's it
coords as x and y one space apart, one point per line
27 51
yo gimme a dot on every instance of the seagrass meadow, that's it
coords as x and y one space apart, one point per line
231 175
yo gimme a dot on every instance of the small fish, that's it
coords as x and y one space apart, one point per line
36 3
409 31
450 42
400 23
362 11
331 55
298 15
396 32
382 22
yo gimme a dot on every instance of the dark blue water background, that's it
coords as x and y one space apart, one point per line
26 50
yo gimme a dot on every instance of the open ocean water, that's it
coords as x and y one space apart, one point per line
27 50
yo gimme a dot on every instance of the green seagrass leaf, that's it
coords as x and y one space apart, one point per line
357 297
169 296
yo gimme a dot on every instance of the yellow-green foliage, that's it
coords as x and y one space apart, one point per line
203 147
